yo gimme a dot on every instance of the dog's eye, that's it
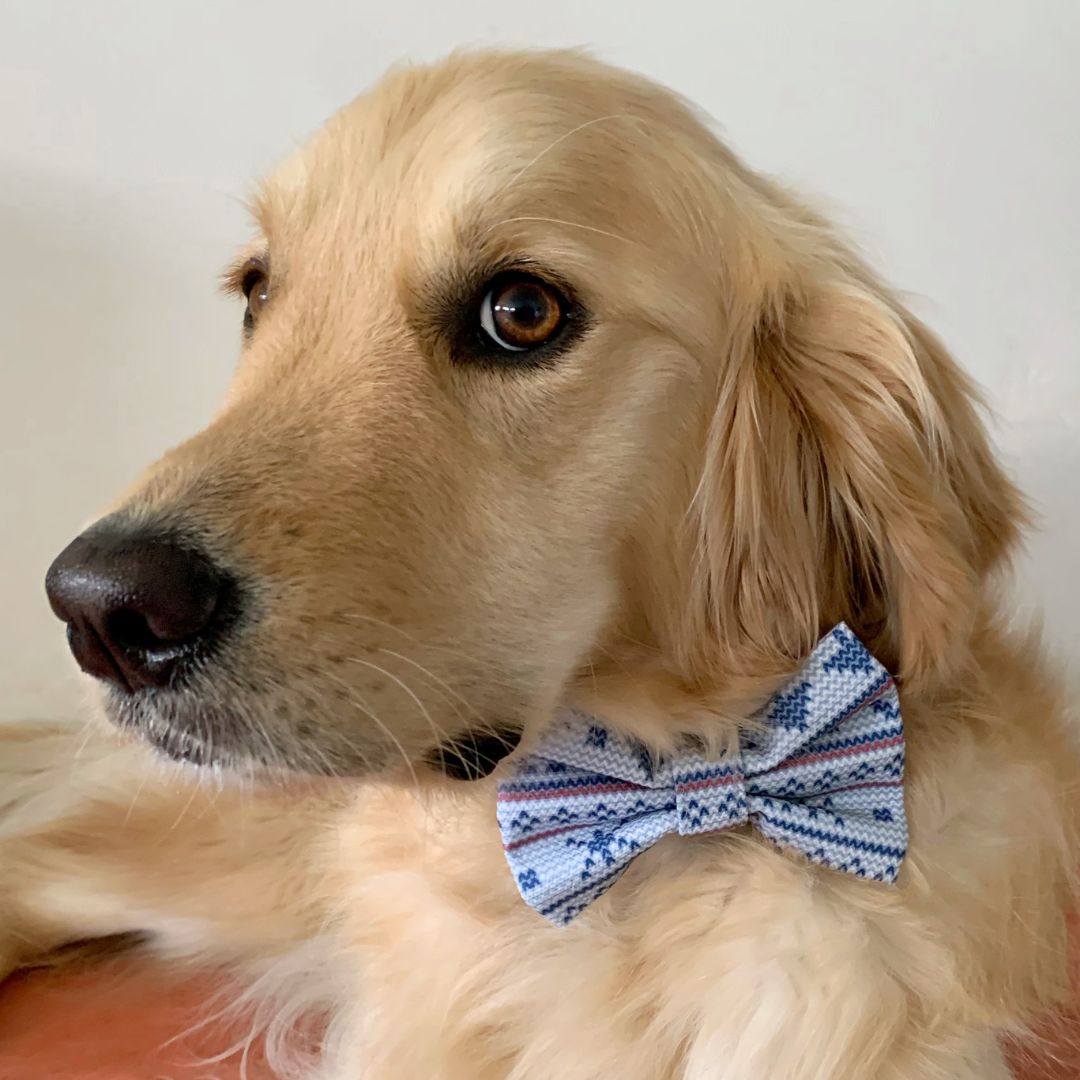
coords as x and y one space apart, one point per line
255 286
520 312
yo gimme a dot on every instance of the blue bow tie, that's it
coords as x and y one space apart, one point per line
820 772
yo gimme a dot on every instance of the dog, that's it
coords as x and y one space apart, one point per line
545 398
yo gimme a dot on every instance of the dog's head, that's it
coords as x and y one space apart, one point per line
537 380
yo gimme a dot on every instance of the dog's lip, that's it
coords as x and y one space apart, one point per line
175 724
177 744
135 717
192 757
185 737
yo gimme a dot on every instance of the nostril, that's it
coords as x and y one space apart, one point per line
185 612
94 657
131 631
139 605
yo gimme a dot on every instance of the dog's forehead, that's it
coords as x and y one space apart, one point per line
471 137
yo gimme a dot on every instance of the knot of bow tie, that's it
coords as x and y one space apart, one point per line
820 771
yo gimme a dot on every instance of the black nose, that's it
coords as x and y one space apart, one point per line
139 604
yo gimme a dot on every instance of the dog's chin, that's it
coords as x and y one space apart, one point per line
186 730
182 728
179 745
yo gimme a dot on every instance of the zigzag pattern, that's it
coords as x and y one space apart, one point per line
684 777
850 653
705 815
875 735
823 778
527 822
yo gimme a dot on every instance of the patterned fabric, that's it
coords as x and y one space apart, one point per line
820 772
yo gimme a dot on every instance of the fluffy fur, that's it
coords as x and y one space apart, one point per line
752 440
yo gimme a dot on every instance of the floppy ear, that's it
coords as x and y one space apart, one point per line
847 477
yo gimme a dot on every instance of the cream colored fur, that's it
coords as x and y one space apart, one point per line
752 441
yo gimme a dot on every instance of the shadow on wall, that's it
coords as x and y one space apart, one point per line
1047 460
113 349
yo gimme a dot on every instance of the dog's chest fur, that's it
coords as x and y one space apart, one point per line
713 957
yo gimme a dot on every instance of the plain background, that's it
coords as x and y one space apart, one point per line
944 135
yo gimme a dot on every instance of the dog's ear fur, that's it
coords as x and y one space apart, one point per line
847 476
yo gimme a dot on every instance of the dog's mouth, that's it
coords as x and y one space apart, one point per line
186 728
179 745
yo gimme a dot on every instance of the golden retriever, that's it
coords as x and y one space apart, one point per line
546 397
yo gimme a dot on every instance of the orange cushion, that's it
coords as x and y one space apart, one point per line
115 1022
1055 1053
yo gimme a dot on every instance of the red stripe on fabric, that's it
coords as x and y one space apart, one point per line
831 755
716 781
566 792
542 836
867 784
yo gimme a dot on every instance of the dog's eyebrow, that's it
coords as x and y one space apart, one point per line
232 278
272 201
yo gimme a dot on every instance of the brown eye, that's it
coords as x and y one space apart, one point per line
256 289
520 312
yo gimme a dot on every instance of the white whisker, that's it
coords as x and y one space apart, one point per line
562 138
370 713
438 732
187 806
430 646
135 797
484 723
434 678
569 224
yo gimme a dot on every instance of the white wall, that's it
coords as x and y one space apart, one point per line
945 135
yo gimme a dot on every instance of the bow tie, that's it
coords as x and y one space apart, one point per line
819 772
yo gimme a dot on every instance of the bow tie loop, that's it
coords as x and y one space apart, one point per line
820 773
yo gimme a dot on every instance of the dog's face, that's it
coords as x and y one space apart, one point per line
448 409
490 314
